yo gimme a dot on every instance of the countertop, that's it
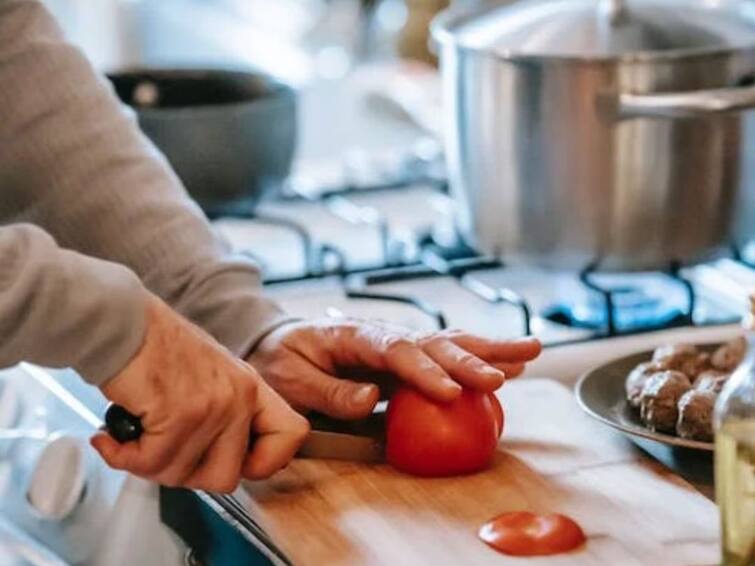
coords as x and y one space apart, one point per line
551 458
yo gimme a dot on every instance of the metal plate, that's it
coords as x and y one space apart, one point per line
601 395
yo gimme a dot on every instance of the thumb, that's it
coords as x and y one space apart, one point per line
349 399
337 398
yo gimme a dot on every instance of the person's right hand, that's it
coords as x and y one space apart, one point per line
198 405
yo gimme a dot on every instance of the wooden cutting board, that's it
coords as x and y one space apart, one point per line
551 458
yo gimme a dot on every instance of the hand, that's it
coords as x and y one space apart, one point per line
306 362
198 405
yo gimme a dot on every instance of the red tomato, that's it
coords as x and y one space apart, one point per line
499 419
522 533
427 438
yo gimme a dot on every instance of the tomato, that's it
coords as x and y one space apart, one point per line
499 419
522 533
427 438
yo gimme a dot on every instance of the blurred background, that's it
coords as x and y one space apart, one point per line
340 54
297 39
368 189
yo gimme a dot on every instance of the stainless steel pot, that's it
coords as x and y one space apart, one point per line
229 135
583 131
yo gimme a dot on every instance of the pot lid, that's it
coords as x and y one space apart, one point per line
599 28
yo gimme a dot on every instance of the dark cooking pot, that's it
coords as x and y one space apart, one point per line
229 135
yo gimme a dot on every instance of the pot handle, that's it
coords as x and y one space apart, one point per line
693 104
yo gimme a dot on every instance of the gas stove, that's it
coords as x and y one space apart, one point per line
393 253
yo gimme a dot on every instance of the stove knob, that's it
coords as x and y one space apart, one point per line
10 404
57 481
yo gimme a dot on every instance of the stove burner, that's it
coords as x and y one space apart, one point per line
427 308
355 287
625 309
446 261
633 310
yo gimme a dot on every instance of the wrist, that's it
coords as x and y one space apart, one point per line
135 362
120 327
260 337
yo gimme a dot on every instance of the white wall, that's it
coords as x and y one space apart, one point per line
106 30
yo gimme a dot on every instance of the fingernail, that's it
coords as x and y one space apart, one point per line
363 394
451 384
493 373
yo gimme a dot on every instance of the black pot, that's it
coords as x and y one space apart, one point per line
229 135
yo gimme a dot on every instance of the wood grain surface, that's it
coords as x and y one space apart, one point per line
551 458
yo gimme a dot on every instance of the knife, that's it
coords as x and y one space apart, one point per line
330 439
359 441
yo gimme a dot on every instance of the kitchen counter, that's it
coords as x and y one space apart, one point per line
552 458
692 465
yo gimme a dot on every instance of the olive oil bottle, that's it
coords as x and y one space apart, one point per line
734 422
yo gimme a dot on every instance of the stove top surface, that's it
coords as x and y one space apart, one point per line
394 254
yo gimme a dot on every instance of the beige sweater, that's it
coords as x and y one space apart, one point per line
91 214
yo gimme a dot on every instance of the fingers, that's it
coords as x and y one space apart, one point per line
472 361
279 431
189 455
327 394
306 364
410 363
493 351
197 404
366 345
216 464
270 454
169 459
510 370
464 367
175 442
220 469
211 457
146 457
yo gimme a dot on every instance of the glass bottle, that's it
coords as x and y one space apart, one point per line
734 423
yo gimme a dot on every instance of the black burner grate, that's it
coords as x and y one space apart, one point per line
618 300
464 265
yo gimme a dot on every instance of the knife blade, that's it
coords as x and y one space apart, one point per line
327 445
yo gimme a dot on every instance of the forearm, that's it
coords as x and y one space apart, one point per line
61 309
74 162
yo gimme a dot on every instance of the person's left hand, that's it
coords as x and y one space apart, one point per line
342 368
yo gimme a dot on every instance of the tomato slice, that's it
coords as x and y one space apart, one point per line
498 413
522 533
